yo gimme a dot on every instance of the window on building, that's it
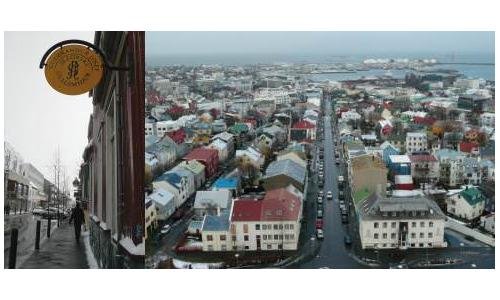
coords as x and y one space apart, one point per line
281 226
245 228
223 248
413 235
393 224
210 248
291 226
422 224
292 236
264 227
375 236
269 246
287 226
264 237
275 226
257 226
384 245
413 224
429 245
429 235
222 237
431 224
280 246
233 238
393 235
421 235
384 235
247 247
421 245
245 238
287 237
375 225
276 237
235 248
384 225
209 237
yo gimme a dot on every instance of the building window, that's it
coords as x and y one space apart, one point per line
287 237
431 224
245 238
393 235
264 227
384 235
275 226
245 228
233 238
384 225
429 245
422 224
287 226
421 245
292 236
375 236
375 225
223 248
264 237
247 247
393 224
257 226
413 224
223 237
276 237
235 248
281 226
209 238
429 235
269 246
210 248
384 245
421 235
413 235
291 226
280 246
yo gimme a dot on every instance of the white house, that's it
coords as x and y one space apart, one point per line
467 204
451 167
416 142
164 203
175 184
212 202
400 223
488 223
251 155
221 148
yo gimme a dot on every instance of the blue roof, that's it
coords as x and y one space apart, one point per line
226 183
216 223
172 178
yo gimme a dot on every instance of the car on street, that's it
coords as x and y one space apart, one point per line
337 161
320 213
319 224
329 195
319 234
320 200
341 194
345 220
165 229
320 193
347 240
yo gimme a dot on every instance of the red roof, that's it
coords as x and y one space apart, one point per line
303 124
280 205
246 210
468 146
178 136
277 205
416 158
202 154
424 120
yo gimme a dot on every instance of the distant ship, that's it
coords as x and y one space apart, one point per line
332 71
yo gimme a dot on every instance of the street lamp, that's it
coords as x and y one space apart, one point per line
237 255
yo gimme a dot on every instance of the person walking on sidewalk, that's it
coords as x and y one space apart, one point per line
77 218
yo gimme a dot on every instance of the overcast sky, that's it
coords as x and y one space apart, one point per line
37 118
165 43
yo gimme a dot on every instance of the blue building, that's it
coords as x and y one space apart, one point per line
387 150
231 184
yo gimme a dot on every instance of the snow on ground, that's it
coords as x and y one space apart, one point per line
88 252
128 244
179 264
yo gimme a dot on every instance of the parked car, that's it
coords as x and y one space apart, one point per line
320 193
319 234
341 195
320 213
345 220
319 224
347 240
337 161
329 195
320 200
165 229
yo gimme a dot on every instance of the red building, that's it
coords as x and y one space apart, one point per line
469 147
208 157
178 136
303 131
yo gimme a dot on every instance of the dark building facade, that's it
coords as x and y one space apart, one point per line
112 175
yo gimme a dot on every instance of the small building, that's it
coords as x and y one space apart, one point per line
451 167
416 142
221 148
164 203
175 184
488 223
466 204
212 202
251 156
424 168
198 170
208 157
400 164
280 174
303 131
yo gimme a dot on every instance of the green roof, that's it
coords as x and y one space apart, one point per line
472 195
239 128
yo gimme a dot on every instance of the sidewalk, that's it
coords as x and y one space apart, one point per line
59 252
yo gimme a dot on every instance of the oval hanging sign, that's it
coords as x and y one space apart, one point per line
74 69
